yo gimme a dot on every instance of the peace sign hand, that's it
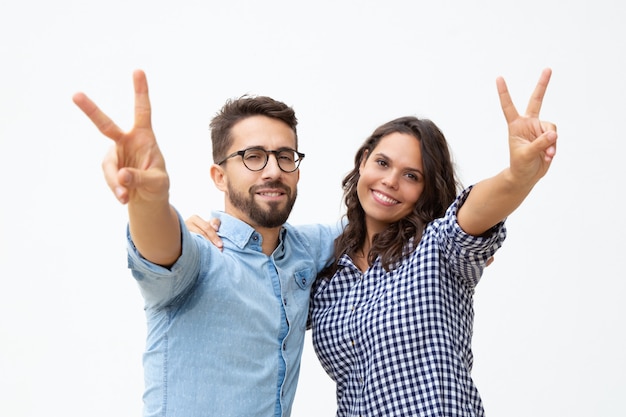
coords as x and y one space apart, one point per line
532 142
134 168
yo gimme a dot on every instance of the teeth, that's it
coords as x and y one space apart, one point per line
385 198
271 194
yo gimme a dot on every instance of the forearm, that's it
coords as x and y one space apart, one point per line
155 231
491 201
532 146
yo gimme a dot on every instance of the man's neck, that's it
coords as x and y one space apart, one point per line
270 238
269 235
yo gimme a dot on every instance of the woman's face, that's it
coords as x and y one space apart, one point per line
391 180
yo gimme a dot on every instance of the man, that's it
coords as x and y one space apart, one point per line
225 327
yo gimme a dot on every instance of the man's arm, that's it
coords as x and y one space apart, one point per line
135 171
532 146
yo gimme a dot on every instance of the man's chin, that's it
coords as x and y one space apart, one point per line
264 212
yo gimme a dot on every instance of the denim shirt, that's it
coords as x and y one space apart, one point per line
226 329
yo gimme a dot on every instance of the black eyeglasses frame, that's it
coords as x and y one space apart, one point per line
267 157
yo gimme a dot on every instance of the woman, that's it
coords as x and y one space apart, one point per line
392 316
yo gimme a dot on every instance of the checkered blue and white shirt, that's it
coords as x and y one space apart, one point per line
399 343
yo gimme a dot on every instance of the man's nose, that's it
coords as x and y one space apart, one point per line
271 169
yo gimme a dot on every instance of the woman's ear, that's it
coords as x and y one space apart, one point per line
363 160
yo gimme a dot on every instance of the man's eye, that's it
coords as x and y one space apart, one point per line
253 155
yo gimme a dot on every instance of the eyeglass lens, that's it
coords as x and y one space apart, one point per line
256 159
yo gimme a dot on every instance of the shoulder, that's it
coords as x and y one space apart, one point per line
313 234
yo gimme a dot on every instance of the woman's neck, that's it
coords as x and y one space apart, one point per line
361 255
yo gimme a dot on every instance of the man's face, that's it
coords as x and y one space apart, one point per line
264 198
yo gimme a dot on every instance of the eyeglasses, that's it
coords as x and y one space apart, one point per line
255 159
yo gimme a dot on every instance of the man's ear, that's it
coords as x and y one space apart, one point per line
219 177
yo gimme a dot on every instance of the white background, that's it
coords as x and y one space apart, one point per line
550 337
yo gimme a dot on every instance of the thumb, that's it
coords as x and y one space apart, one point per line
546 143
151 183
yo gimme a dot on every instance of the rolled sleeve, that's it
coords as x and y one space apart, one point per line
470 253
162 286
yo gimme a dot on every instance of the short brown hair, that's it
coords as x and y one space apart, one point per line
235 110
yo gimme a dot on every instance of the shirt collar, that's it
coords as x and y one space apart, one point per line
237 231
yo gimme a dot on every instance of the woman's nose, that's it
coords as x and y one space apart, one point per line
390 181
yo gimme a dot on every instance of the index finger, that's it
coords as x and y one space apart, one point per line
97 116
143 110
508 108
534 104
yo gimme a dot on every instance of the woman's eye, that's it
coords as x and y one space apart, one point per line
414 176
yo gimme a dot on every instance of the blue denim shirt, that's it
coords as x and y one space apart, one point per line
226 329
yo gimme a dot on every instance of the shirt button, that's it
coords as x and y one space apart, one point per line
284 346
255 238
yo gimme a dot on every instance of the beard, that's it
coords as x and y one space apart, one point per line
271 217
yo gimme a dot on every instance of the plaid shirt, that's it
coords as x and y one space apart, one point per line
399 343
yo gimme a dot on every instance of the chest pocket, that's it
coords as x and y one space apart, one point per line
298 296
304 278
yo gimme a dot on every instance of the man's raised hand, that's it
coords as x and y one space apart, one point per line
134 168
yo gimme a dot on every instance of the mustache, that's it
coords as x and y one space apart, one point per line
271 184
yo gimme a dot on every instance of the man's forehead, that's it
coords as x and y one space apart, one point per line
263 131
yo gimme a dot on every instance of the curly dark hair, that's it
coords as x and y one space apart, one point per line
235 110
440 189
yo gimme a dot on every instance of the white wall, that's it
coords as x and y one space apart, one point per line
550 334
